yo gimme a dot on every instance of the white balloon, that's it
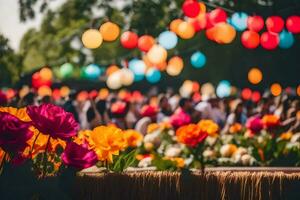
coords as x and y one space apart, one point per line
114 80
127 77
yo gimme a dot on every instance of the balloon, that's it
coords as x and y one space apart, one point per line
256 96
114 80
46 74
185 30
216 16
207 89
64 91
37 82
275 24
167 39
66 70
269 40
246 93
157 54
82 96
103 93
174 25
111 69
239 21
129 40
286 39
175 66
298 90
224 34
56 94
191 8
44 91
293 24
91 38
202 8
153 75
127 76
223 89
276 89
199 23
250 39
137 66
92 71
198 59
255 76
145 43
109 31
255 23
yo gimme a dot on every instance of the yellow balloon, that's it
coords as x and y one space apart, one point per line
157 54
64 91
175 66
44 91
109 31
92 38
103 93
46 74
114 80
276 89
224 33
174 25
185 30
255 76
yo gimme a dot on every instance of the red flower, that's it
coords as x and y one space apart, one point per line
254 124
78 156
180 119
53 120
191 135
270 121
14 133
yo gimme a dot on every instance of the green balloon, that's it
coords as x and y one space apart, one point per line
66 70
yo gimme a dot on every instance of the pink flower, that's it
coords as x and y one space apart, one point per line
254 124
53 120
179 119
78 156
14 133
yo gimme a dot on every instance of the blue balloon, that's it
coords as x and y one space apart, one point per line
223 89
168 39
286 39
198 59
137 66
239 21
138 77
153 75
92 71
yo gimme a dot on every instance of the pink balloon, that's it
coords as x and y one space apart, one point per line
293 24
255 23
216 16
269 40
191 8
275 24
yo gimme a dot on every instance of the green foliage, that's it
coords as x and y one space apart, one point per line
123 161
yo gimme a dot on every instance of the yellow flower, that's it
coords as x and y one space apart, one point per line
148 146
235 128
133 138
286 136
107 141
19 113
209 126
83 137
179 161
152 127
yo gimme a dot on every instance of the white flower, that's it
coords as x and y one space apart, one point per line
146 162
173 151
227 150
208 153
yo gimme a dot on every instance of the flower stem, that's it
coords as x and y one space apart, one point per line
45 158
2 162
35 139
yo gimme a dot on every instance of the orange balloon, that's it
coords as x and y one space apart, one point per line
46 74
202 8
145 42
298 90
65 91
255 76
225 33
185 30
174 25
276 89
161 66
44 91
175 66
109 31
196 86
111 69
103 93
210 33
82 96
157 54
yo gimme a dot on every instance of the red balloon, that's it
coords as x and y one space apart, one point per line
191 8
293 24
145 43
275 24
255 23
246 93
37 81
216 16
129 40
269 40
256 96
250 39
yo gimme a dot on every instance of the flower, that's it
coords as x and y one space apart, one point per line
83 137
180 163
152 127
14 133
107 141
254 124
133 138
149 111
19 113
209 126
235 128
270 121
180 119
78 156
53 120
227 150
191 135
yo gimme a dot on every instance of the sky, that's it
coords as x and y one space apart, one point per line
10 25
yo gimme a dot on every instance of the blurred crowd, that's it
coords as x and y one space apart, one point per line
132 110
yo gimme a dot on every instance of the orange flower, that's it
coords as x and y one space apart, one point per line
83 137
179 161
19 113
191 135
235 128
152 127
209 126
133 138
286 136
270 121
107 141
